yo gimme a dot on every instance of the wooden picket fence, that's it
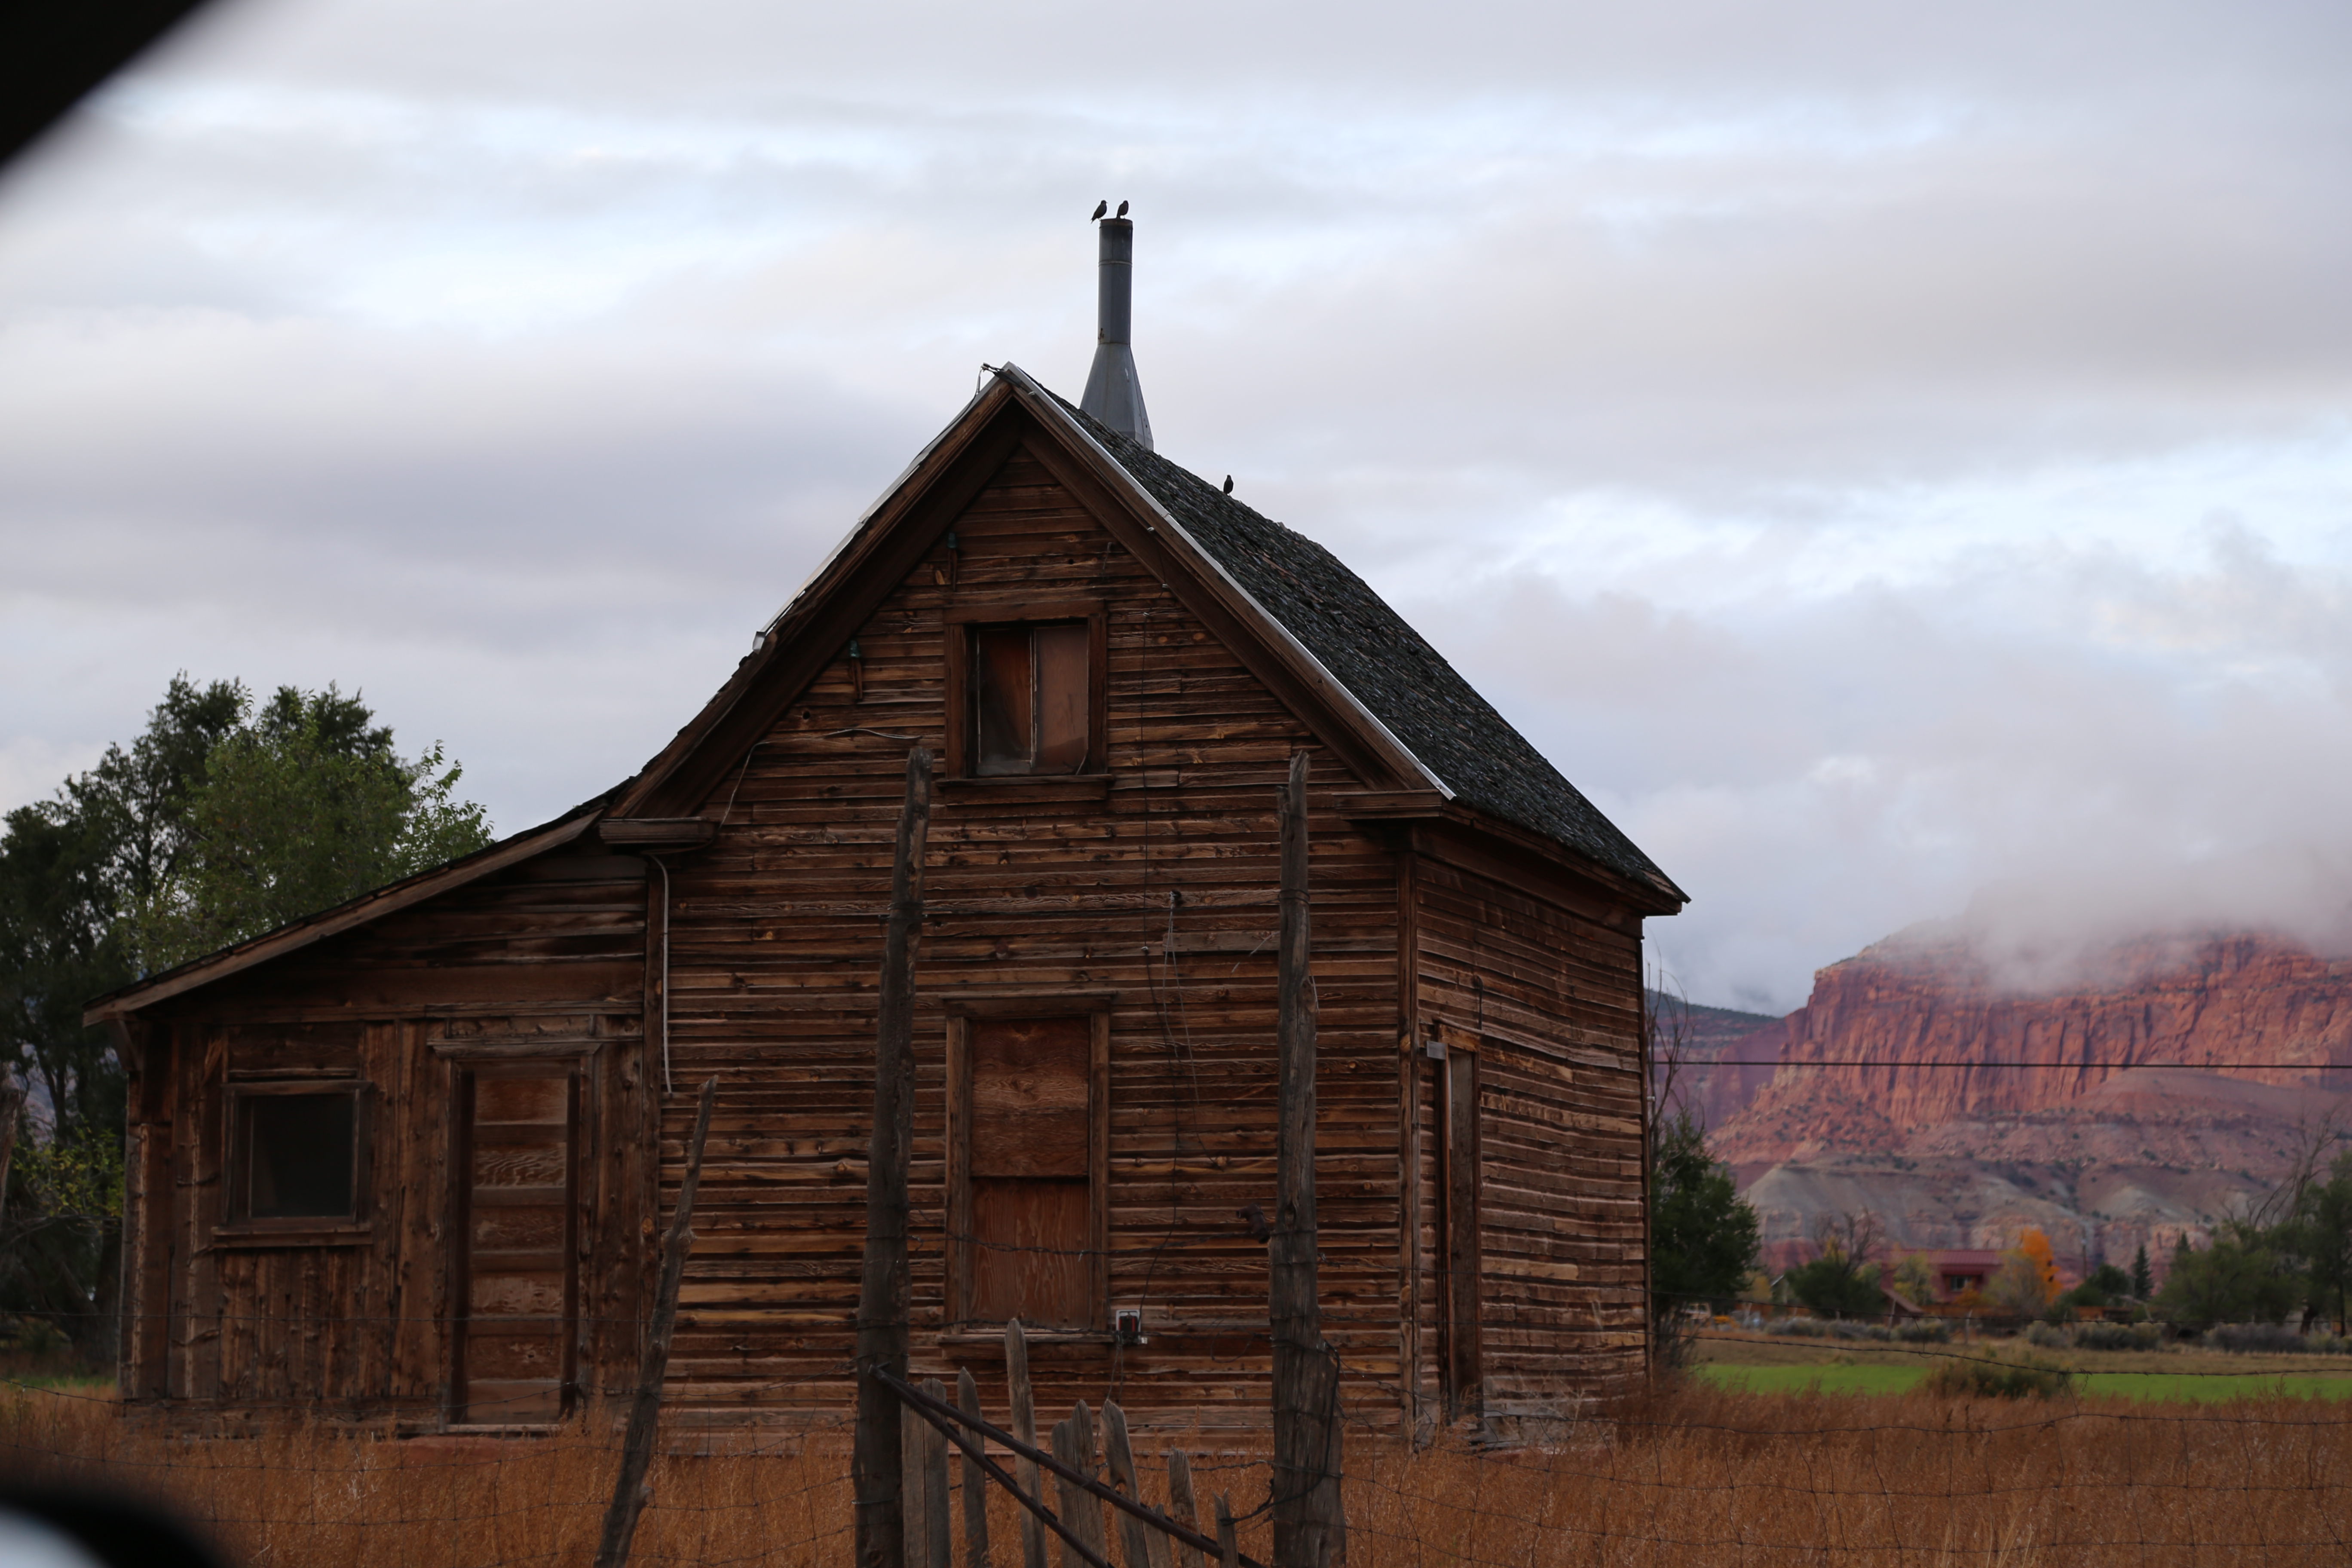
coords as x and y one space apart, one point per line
1148 1534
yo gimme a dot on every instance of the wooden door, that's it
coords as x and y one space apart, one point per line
1025 1172
517 1166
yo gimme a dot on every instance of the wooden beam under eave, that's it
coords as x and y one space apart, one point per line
657 833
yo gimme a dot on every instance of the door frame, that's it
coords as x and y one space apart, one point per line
462 1064
958 1150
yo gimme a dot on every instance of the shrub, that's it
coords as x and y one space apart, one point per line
33 1336
2117 1336
1924 1332
2274 1339
1800 1328
1997 1380
1846 1331
2049 1336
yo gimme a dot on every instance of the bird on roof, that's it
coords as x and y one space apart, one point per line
1101 208
1122 209
1229 484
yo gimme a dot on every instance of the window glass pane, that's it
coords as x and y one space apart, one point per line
298 1155
1003 728
1061 699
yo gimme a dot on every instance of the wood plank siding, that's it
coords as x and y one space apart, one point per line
1097 959
543 962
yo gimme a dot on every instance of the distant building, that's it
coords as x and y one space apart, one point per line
1961 1269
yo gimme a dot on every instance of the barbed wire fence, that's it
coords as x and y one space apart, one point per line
1685 1473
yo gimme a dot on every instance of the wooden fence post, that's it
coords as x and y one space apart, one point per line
927 1464
630 1491
975 1481
876 1463
1134 1536
1307 1532
1024 1427
1184 1506
911 1500
1073 1445
1228 1550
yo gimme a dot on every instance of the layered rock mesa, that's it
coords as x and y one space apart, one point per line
1927 1028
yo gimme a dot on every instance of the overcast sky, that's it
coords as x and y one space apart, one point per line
1879 451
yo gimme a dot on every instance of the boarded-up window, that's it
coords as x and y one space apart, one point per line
1025 1174
1032 699
295 1155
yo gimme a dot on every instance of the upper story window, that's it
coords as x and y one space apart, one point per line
1029 696
295 1154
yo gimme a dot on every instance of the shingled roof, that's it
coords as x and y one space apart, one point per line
1391 671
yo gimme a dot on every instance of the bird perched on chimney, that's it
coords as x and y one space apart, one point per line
1229 484
1101 208
1122 210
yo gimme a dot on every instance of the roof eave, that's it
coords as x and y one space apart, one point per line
654 782
311 929
1659 898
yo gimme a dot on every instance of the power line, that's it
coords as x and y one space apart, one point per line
1693 1062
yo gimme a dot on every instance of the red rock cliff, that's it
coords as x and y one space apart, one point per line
1931 995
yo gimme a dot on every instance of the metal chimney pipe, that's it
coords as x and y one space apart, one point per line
1114 395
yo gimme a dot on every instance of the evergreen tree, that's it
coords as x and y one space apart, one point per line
2143 1283
1704 1238
2322 1238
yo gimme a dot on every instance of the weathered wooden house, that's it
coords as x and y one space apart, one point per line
407 1160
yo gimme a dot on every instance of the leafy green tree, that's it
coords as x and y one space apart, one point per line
1842 1281
2109 1280
75 871
1704 1238
2245 1277
303 807
215 823
1914 1279
2143 1281
2322 1230
2102 1286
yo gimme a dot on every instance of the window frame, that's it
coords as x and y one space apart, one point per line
237 1220
959 1246
965 622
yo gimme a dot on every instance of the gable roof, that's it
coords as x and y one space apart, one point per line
1454 732
1389 703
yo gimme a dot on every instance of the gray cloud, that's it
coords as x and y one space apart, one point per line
1823 427
2152 748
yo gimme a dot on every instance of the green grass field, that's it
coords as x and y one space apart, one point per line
2153 1385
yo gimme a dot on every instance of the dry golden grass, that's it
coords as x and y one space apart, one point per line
1689 1480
